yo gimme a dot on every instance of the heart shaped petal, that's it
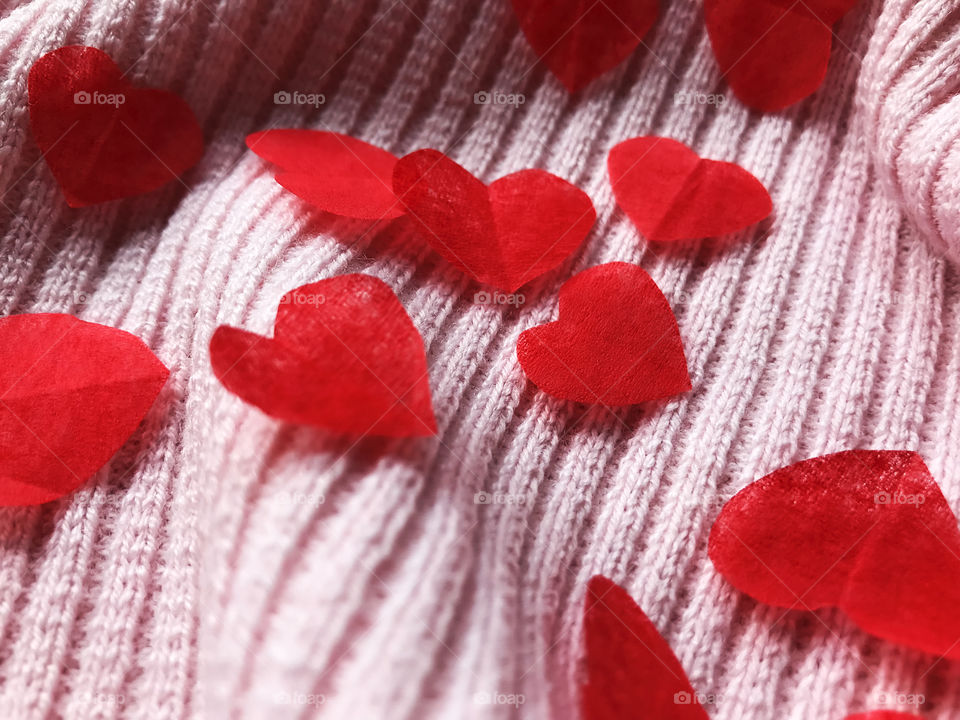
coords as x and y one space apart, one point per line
335 173
671 194
344 356
102 138
71 394
773 53
630 669
616 341
579 40
504 235
867 531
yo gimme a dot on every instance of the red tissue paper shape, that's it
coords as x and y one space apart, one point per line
504 234
670 193
630 672
579 40
344 356
335 173
883 715
71 394
773 53
616 341
867 531
102 138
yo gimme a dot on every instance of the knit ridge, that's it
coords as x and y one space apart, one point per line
226 565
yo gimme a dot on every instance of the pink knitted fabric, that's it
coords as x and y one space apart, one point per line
911 94
226 565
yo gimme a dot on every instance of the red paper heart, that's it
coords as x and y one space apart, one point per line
103 138
333 172
773 53
71 393
631 672
579 40
344 356
616 341
866 531
504 234
883 715
672 194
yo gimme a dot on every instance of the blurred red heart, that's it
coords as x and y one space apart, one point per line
616 341
670 193
631 672
773 53
335 173
103 138
867 531
504 234
579 40
344 356
71 393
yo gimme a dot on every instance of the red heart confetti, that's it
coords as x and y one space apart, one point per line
71 394
579 40
773 53
616 341
335 173
103 138
504 234
671 194
344 356
631 672
867 531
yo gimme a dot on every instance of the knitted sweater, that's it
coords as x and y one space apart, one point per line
226 565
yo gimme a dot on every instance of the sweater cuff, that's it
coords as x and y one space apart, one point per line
910 111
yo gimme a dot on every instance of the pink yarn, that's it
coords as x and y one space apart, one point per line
226 565
911 94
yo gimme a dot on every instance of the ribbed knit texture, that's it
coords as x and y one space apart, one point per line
226 565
